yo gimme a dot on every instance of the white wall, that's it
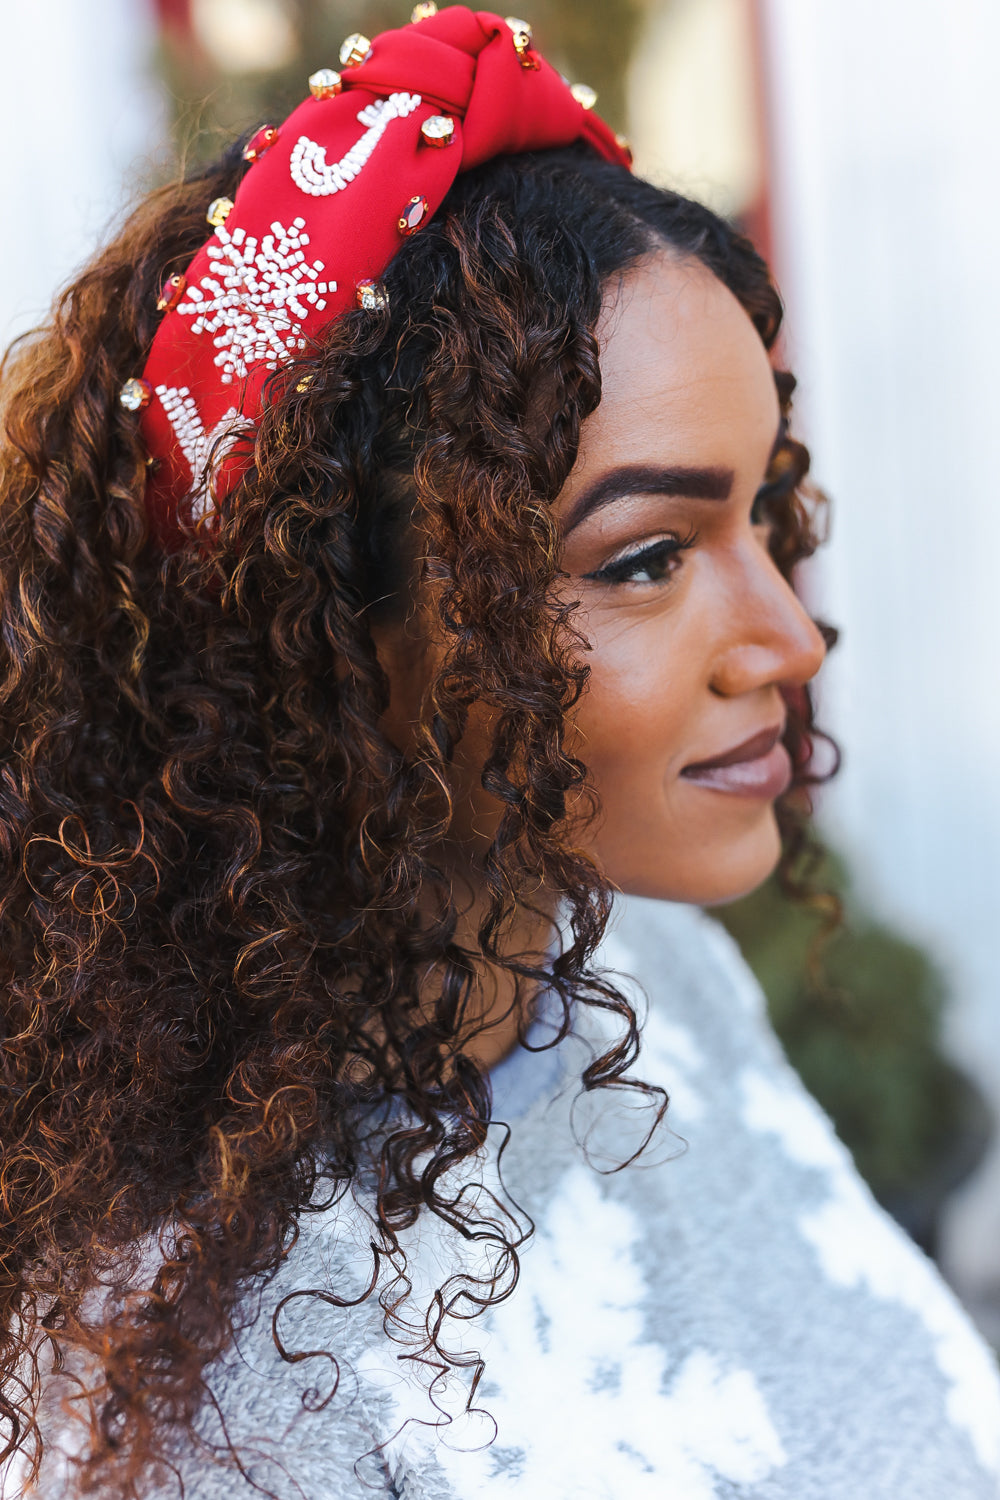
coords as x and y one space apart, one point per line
886 124
82 116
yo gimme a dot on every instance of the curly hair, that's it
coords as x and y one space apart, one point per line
222 902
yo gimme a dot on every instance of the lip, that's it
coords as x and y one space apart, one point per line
759 767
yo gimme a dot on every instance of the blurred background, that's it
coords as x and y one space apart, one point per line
857 142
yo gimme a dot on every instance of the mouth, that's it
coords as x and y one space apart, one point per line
759 767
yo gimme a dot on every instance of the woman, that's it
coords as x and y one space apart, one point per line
415 575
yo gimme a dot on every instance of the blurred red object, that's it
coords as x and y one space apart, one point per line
175 17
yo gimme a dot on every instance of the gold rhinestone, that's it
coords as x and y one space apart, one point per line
439 130
424 11
584 95
218 211
355 50
304 384
371 296
135 394
522 42
325 83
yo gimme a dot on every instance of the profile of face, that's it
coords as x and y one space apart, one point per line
693 633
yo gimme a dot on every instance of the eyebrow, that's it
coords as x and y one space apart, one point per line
646 479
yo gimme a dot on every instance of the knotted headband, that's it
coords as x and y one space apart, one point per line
329 198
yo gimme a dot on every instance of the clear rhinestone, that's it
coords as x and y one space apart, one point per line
439 130
584 95
424 11
371 296
218 211
135 394
355 50
325 83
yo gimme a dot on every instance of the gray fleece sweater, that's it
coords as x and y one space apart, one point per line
731 1316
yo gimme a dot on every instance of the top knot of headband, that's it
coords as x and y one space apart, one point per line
330 196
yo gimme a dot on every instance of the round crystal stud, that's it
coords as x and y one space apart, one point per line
413 216
424 11
325 83
218 211
439 130
623 144
372 296
261 140
170 293
355 50
135 394
584 95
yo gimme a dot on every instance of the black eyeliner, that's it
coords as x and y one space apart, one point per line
619 571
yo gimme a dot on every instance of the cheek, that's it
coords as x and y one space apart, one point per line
635 728
633 722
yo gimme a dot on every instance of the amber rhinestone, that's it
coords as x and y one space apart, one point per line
261 140
372 296
355 50
439 130
218 211
521 32
170 293
135 394
584 95
303 385
424 11
325 83
413 216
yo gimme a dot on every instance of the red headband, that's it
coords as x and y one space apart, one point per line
331 194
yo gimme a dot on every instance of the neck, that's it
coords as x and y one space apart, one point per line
501 1002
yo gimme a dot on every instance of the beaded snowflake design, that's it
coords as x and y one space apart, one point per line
256 296
309 167
197 445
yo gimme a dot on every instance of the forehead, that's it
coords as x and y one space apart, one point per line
683 368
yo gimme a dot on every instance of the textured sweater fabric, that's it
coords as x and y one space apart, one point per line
730 1316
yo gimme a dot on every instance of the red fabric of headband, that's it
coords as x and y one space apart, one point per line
325 206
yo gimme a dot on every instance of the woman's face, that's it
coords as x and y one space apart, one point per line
692 630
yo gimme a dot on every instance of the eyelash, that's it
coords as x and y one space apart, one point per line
666 550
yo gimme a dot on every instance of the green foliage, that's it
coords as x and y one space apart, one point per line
859 1016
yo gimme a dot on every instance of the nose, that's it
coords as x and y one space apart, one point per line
768 638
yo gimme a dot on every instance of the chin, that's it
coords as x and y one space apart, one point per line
706 873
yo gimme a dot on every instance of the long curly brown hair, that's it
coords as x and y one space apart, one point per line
226 930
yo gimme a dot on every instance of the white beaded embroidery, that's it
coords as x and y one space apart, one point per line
256 302
309 167
197 445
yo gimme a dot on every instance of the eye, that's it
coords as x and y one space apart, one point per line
654 563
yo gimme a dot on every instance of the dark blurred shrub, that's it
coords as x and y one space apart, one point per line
859 1016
